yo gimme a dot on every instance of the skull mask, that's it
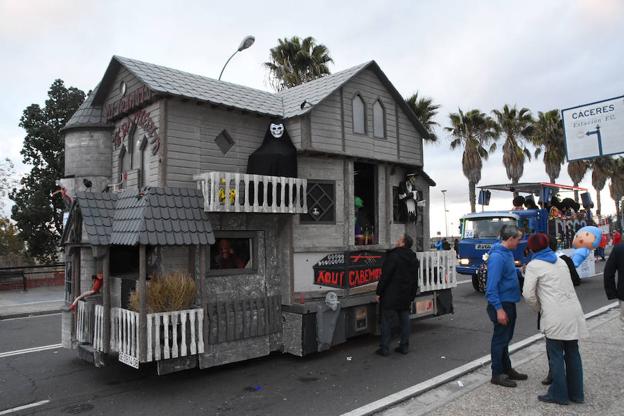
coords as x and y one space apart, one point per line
277 130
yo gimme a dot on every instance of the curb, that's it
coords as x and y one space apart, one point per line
29 314
420 388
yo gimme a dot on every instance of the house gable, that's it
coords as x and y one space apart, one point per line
332 129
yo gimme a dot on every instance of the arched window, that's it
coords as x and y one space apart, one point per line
379 120
359 115
124 164
144 165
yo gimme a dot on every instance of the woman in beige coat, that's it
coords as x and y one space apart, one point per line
548 289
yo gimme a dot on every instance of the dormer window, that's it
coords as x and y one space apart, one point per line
359 115
379 120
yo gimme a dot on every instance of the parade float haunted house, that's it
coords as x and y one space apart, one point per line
277 206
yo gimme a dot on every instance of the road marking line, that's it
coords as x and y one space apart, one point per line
30 316
29 350
463 282
26 406
432 383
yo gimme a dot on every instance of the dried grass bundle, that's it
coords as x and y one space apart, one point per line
171 292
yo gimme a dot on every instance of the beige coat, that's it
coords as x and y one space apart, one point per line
548 289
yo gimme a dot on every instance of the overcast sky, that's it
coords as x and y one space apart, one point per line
467 54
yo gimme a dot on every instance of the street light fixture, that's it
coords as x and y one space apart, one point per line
445 211
245 43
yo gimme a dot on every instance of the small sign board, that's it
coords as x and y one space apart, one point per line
595 129
349 269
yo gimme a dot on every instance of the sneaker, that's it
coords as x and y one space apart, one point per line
502 380
514 375
382 352
547 381
547 399
401 350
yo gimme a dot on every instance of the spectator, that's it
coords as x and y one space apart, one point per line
503 292
396 289
548 289
615 265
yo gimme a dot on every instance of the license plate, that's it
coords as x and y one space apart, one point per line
129 360
424 306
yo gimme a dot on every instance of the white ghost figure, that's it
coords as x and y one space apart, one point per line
277 130
331 300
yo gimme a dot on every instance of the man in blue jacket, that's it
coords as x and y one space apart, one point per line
503 292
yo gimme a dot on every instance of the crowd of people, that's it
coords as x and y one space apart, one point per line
548 288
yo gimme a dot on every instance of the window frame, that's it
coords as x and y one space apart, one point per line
364 111
232 234
142 150
383 119
302 217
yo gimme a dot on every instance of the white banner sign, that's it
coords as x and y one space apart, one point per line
595 129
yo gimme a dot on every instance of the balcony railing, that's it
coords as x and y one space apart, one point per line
240 192
437 270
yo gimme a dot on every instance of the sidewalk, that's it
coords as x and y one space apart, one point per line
473 394
36 301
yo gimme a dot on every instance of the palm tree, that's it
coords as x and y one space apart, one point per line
516 125
577 170
425 111
295 61
601 167
616 187
548 137
473 131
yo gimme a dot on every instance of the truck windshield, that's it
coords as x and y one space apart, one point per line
485 227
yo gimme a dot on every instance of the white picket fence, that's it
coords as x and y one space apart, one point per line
437 270
169 334
98 328
182 334
84 322
240 192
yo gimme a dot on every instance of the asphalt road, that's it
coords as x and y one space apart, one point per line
329 383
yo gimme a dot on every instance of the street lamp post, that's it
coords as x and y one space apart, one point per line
245 43
445 220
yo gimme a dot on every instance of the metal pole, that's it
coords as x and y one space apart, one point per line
227 62
445 219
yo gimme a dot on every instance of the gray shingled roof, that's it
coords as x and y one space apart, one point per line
286 103
316 91
87 115
154 216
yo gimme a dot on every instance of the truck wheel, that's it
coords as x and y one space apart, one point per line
475 282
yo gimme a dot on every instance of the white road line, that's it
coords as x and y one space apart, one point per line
45 315
463 282
434 382
29 350
26 406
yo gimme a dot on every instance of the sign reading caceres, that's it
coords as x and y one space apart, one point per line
595 129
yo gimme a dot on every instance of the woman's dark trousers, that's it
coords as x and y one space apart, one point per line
566 369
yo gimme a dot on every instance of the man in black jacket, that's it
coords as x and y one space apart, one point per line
615 263
396 289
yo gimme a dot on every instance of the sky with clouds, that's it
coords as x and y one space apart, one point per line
464 54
